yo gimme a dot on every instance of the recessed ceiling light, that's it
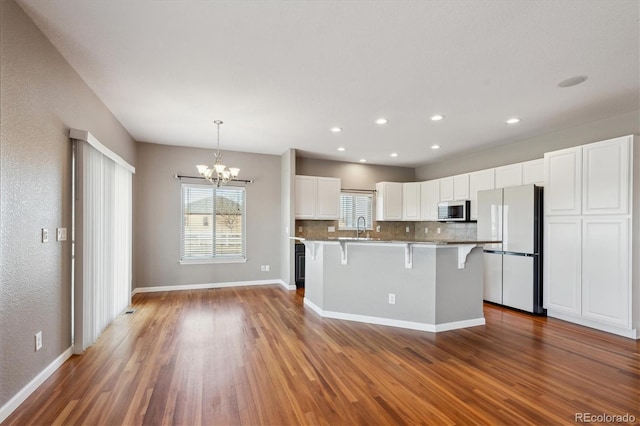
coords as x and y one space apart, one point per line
435 146
437 117
362 160
513 120
394 154
381 121
573 81
336 129
342 148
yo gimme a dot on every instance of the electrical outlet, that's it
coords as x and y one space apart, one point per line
263 268
406 229
38 340
426 230
331 229
267 268
378 228
45 235
438 230
392 298
299 228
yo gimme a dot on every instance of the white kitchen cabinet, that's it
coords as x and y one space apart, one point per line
446 189
479 181
510 175
317 198
411 201
563 264
429 199
605 270
388 201
461 187
328 206
306 197
533 172
563 182
606 177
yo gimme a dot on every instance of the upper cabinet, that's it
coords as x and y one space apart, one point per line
593 179
461 187
533 172
510 175
388 201
606 177
479 181
446 189
411 201
429 198
317 198
563 182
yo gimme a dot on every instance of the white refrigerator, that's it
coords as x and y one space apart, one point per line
513 268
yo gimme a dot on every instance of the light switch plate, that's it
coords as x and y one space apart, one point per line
331 229
61 234
45 235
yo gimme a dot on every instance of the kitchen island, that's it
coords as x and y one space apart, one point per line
423 285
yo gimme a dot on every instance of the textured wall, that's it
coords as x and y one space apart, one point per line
42 97
530 149
157 217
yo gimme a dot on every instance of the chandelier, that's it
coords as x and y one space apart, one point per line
218 174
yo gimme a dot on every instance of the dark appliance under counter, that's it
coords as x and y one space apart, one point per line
299 272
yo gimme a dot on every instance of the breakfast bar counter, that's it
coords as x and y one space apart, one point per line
423 285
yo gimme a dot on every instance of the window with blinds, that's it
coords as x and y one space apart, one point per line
213 223
353 206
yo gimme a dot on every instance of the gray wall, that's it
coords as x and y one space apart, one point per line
530 149
354 175
157 217
42 97
287 217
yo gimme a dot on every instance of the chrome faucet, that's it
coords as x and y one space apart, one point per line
364 225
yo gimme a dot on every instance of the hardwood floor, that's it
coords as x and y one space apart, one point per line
254 355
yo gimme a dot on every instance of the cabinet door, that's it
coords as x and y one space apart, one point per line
606 177
606 284
562 264
429 199
510 175
306 197
461 187
446 189
388 201
328 204
479 181
411 201
563 182
533 172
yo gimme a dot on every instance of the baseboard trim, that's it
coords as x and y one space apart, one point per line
34 384
433 328
206 286
630 333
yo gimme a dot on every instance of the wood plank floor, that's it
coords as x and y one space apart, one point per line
254 355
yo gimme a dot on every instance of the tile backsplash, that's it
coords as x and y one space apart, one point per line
391 230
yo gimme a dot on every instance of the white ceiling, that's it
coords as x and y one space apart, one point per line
280 74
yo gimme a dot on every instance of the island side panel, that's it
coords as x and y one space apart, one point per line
458 291
372 272
314 274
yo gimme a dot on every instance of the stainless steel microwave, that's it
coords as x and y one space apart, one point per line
454 211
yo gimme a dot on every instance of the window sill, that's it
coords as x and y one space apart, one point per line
216 260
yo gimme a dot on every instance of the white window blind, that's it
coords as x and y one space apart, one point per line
353 206
102 284
213 223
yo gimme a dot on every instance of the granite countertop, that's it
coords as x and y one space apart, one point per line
379 240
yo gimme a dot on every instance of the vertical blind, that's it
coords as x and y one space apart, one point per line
103 258
213 222
353 206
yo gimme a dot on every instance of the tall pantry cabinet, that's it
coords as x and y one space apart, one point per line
589 252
